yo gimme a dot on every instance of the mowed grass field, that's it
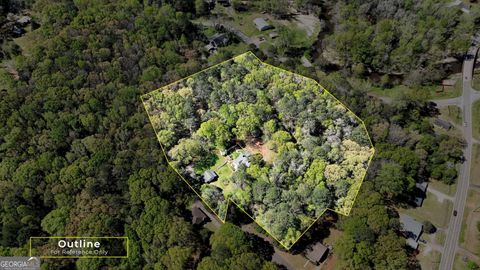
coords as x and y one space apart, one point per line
452 113
469 234
476 119
423 92
438 213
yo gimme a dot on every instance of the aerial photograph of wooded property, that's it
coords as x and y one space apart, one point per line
240 134
275 143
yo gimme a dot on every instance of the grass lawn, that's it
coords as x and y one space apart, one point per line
452 113
476 119
475 170
28 41
430 260
432 210
458 263
469 234
444 188
423 92
476 80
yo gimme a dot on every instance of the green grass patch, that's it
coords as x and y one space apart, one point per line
444 188
438 213
422 92
430 260
206 163
475 168
440 237
452 113
476 119
28 41
476 80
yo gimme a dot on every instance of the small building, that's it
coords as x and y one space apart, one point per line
422 186
412 230
273 35
317 253
442 123
418 200
262 24
224 3
198 216
242 159
219 40
209 176
448 82
24 20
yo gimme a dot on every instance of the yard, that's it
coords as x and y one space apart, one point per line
452 113
432 210
444 188
423 92
476 119
476 80
429 259
475 170
471 222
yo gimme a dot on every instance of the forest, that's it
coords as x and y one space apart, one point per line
303 150
78 155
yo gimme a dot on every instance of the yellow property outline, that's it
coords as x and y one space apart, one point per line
80 257
228 200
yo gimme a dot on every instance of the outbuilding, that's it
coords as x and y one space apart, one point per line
209 176
317 253
262 24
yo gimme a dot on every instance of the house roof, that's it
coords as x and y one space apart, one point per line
442 123
262 24
448 82
411 227
219 39
316 253
241 159
209 176
418 201
422 186
198 216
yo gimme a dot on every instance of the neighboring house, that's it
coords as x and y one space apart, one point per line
198 216
217 40
273 35
317 253
412 230
262 24
24 20
242 159
224 3
442 123
209 176
421 190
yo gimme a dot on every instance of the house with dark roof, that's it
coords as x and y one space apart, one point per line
442 123
209 176
317 253
411 229
198 216
242 159
262 24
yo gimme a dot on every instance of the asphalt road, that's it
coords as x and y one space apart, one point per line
454 227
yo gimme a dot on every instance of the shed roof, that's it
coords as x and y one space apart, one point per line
316 253
442 123
422 186
198 216
261 24
209 176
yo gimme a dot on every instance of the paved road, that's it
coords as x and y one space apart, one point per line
453 230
